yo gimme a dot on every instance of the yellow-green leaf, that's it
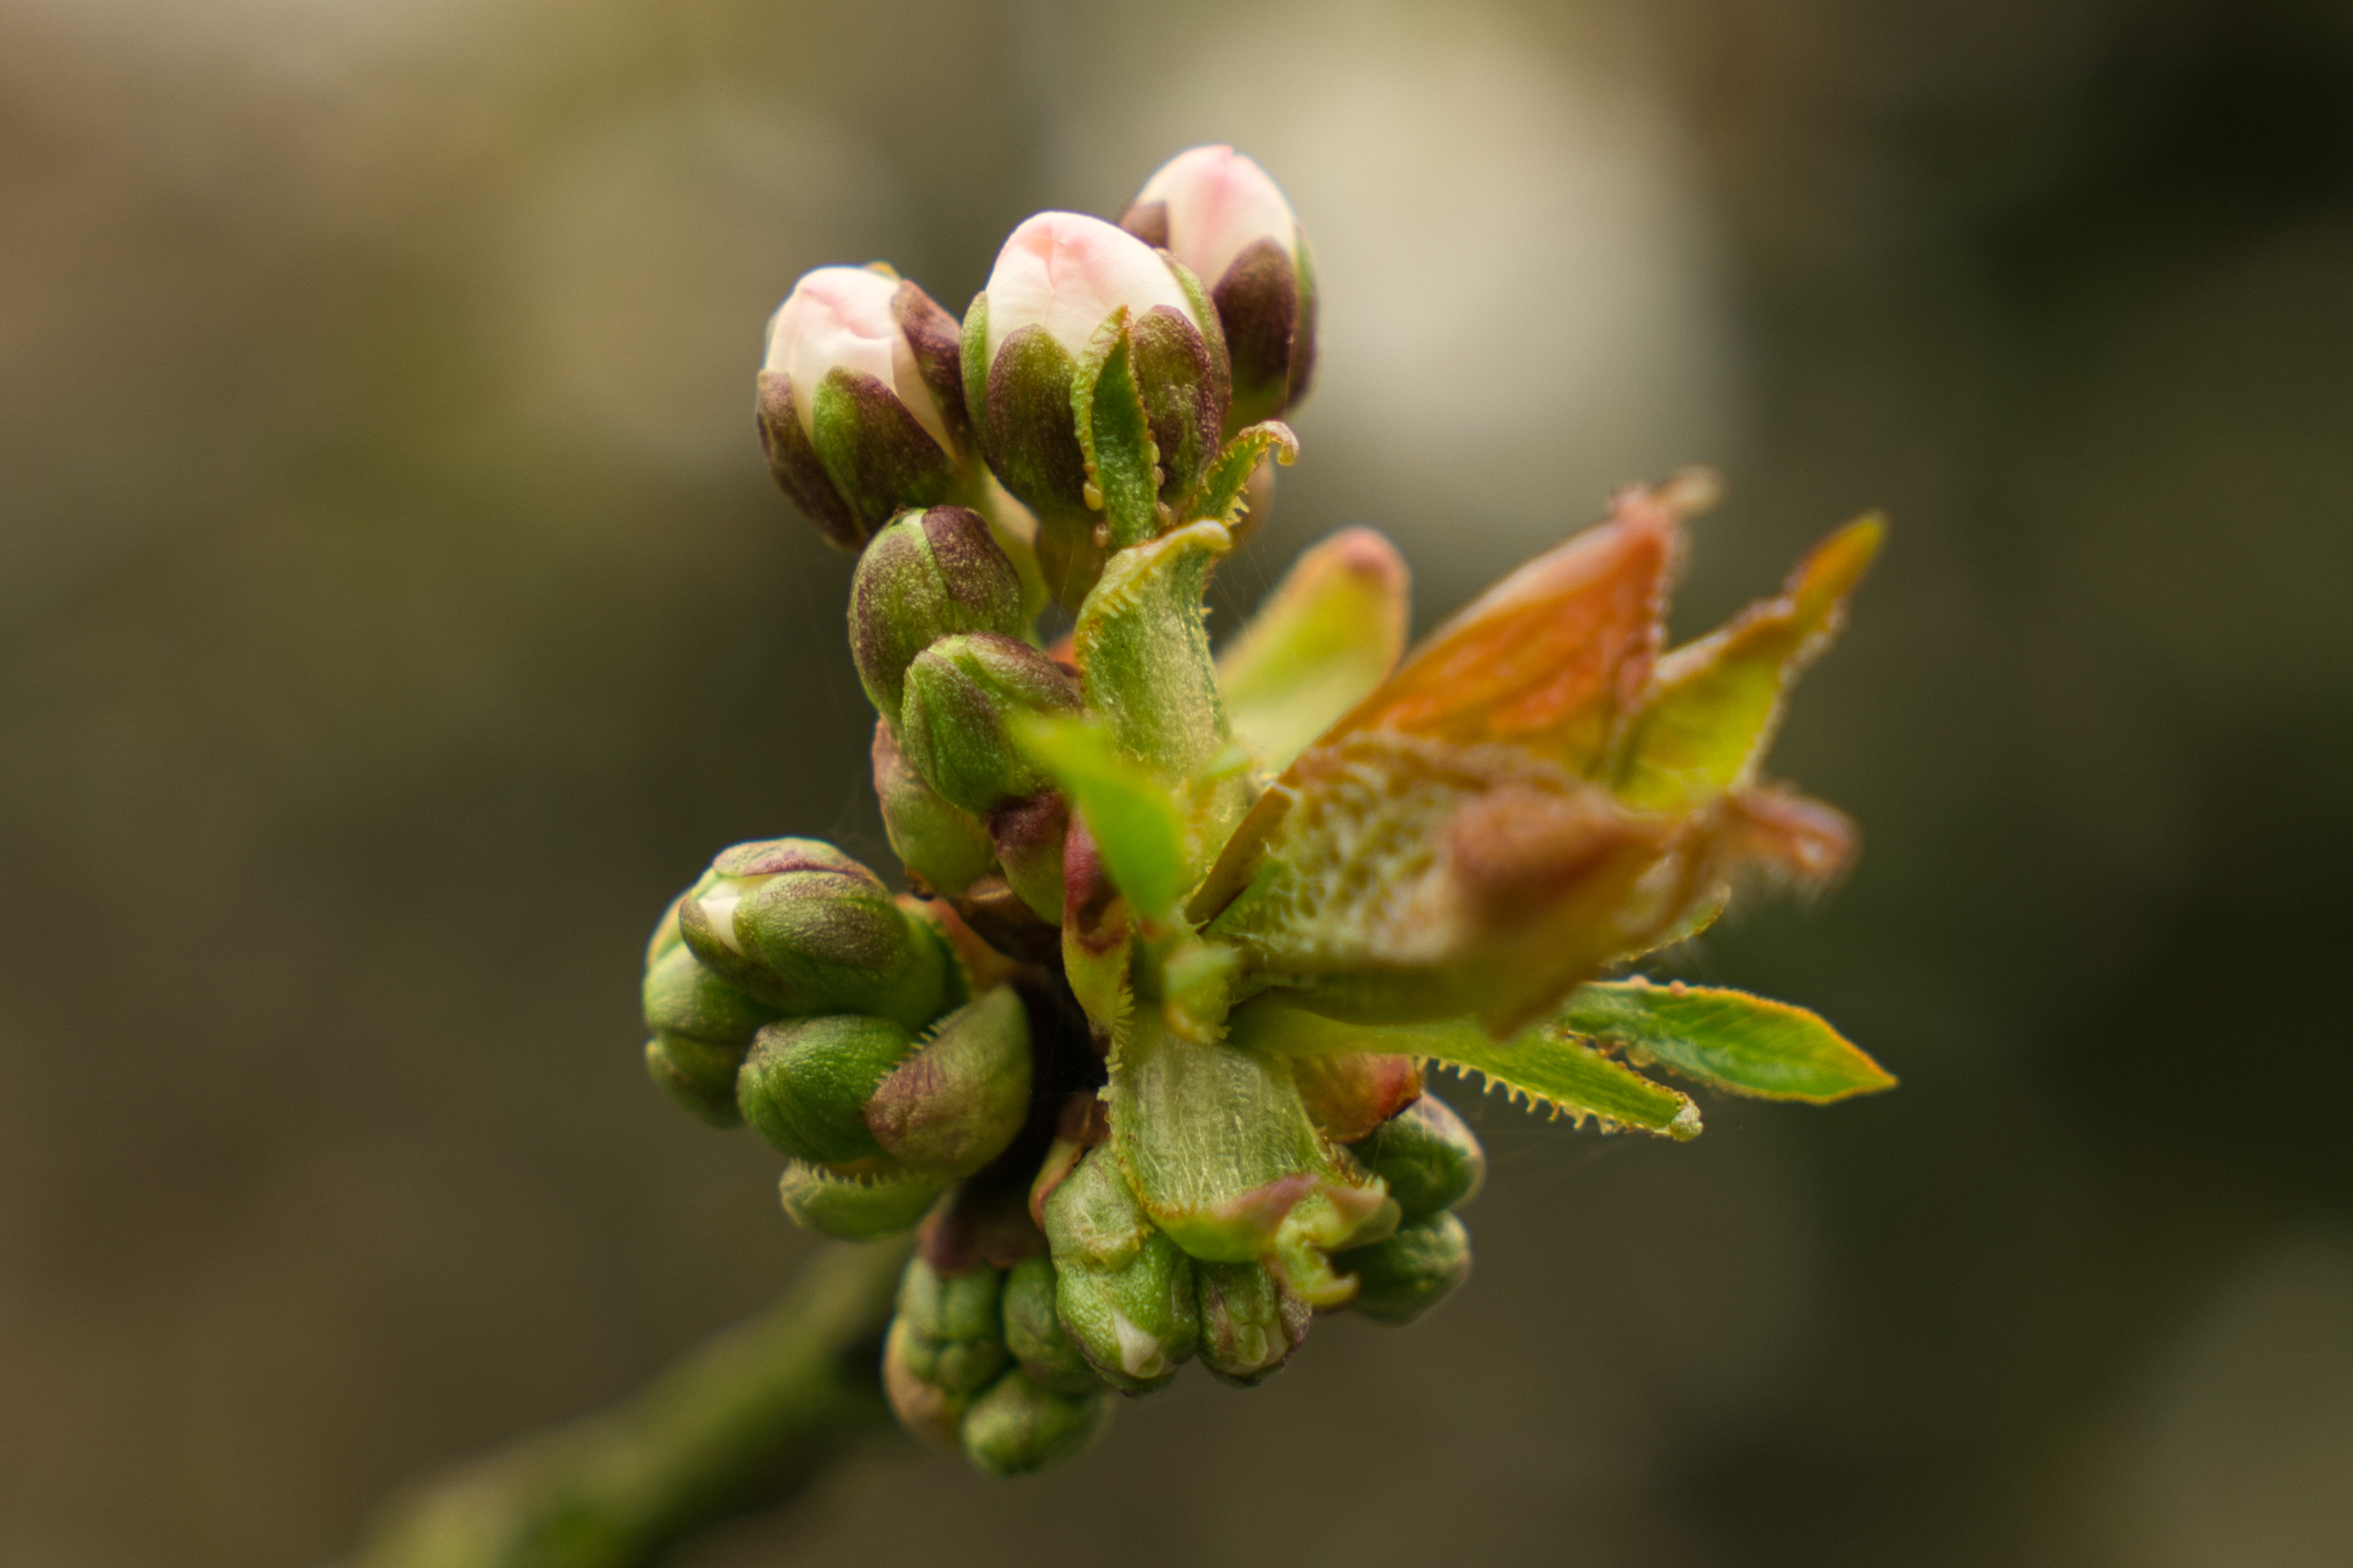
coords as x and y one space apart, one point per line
1323 641
1130 810
1544 1066
1713 704
1728 1038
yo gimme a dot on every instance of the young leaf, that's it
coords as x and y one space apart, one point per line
1546 1066
1328 634
1550 659
1713 703
1129 810
1727 1038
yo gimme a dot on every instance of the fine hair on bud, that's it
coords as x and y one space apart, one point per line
926 575
804 1085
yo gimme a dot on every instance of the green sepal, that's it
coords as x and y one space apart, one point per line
1326 639
953 1106
962 695
856 1207
681 997
1749 1044
1544 1066
1019 1428
1115 435
1404 1275
1218 495
1225 1159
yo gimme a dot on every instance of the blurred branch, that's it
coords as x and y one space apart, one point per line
749 1420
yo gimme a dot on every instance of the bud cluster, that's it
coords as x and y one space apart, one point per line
1141 1051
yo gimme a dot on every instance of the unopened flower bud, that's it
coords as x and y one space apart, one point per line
856 1205
925 1409
699 1079
927 575
806 1084
955 1338
1429 1158
805 929
940 842
1217 212
1125 1290
1034 1332
1019 1428
954 1105
1248 1325
961 694
1400 1279
861 401
1059 280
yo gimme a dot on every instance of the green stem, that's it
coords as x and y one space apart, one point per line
750 1419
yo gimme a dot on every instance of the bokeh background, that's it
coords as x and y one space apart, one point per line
394 610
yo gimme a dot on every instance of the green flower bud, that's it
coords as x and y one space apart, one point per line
856 1207
805 928
1030 836
1034 1332
926 576
861 401
941 844
683 998
955 1104
925 1409
1249 1326
1125 1292
1350 1093
954 1336
954 725
1217 212
700 1078
1019 1428
804 1086
1400 1280
1429 1158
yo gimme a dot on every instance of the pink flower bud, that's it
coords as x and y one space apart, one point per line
861 400
1217 212
1067 273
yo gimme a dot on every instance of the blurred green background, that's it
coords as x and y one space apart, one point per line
394 610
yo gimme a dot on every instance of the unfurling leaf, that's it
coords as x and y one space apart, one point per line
1137 825
1713 703
1324 639
1727 1038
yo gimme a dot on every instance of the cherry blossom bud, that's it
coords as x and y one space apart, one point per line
1429 1158
1217 212
1018 1427
1123 1290
1249 1325
861 401
928 575
1034 342
806 1084
801 927
1400 1279
961 694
